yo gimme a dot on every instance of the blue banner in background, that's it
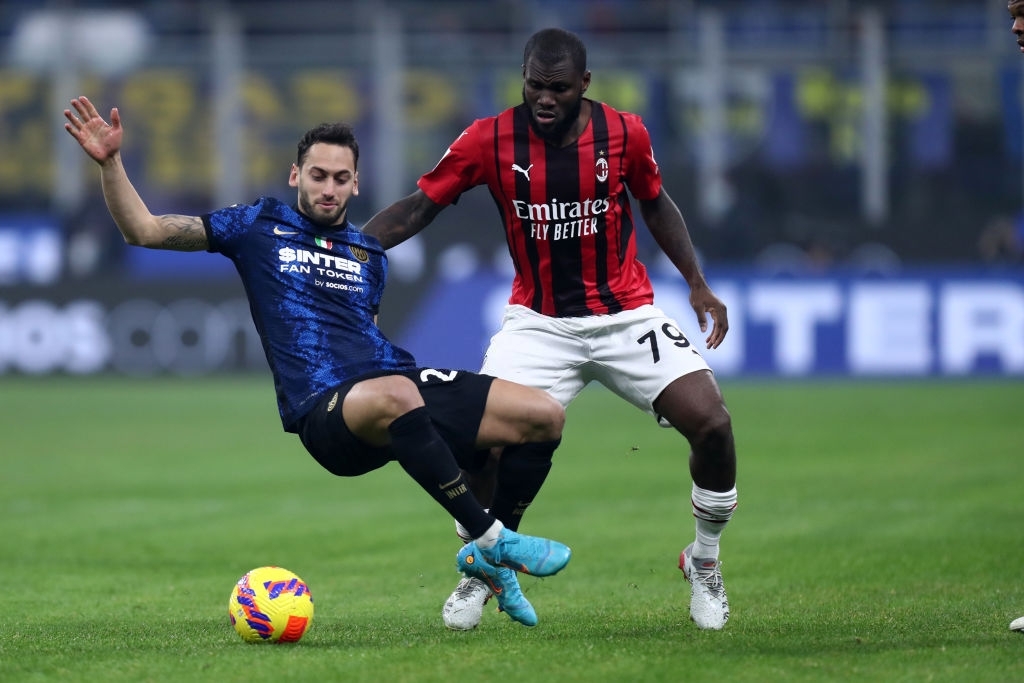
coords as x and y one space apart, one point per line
926 323
32 249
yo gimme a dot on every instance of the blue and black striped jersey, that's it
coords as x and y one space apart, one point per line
314 293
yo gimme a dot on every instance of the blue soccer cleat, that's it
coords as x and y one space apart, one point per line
528 554
502 582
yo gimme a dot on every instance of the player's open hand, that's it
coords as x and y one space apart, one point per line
705 304
99 139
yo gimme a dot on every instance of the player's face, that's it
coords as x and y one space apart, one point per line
1016 8
326 181
554 94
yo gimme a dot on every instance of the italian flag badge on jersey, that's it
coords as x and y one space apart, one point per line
324 243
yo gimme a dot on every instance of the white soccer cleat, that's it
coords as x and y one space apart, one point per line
465 606
709 606
1017 624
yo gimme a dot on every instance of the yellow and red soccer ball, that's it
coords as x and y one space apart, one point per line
270 605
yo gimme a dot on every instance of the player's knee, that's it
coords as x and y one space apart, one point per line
549 419
388 397
714 435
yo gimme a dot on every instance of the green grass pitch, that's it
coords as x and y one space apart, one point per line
879 537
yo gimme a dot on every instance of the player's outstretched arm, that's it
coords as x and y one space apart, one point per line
403 219
102 142
666 224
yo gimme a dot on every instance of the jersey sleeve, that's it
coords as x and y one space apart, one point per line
460 168
226 227
643 177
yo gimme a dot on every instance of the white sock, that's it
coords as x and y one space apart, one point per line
712 510
490 537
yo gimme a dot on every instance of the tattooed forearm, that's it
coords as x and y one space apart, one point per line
184 233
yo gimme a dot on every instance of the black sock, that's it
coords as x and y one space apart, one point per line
521 472
422 453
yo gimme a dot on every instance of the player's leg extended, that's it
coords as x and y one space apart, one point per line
693 404
529 421
471 411
396 405
510 482
513 414
527 353
530 350
390 411
361 427
645 358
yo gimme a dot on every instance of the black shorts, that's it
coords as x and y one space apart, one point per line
455 400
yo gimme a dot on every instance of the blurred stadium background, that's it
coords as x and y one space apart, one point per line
851 171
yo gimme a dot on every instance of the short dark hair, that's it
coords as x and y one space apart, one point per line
332 134
552 45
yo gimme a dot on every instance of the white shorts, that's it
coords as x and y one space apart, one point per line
634 353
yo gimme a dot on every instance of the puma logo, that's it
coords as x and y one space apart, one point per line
525 171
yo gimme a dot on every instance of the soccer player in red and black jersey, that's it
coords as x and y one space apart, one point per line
559 167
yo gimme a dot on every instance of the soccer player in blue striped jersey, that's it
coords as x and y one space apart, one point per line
355 400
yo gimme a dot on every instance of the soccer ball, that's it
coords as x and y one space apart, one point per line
270 605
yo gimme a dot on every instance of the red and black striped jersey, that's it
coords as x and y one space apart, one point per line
565 210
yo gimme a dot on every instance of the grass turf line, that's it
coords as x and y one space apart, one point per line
877 538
